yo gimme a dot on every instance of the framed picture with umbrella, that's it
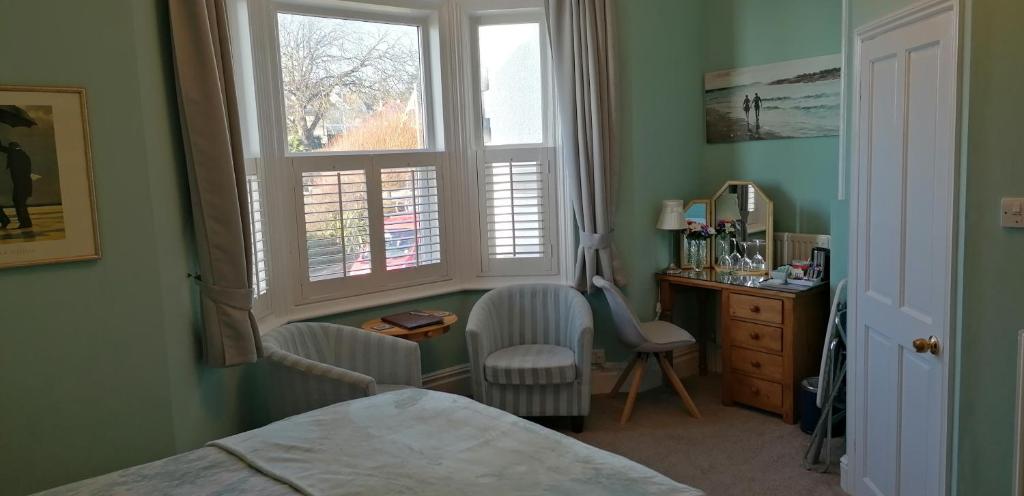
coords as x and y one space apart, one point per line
47 201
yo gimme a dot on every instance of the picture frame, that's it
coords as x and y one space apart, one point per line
792 99
47 195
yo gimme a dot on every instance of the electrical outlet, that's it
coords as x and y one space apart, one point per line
597 356
1012 212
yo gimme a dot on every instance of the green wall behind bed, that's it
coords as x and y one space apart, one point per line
99 360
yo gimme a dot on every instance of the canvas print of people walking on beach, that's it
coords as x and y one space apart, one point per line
793 99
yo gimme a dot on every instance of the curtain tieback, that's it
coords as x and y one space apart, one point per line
595 241
232 297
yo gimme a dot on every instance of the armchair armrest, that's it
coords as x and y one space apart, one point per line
387 359
301 384
579 331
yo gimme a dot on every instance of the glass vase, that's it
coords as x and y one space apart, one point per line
698 252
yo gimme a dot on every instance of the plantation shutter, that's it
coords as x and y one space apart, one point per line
337 224
517 214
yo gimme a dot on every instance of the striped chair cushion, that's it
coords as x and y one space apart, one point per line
531 364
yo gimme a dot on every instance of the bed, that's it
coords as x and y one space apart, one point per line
398 443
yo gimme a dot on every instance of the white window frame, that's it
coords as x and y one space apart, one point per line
433 126
542 152
242 61
453 143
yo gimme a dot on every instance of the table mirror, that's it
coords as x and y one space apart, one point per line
742 215
698 211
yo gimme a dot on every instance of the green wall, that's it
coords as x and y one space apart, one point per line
99 366
798 174
992 283
661 138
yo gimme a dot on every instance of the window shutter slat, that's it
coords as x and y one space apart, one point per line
514 201
259 251
337 224
412 229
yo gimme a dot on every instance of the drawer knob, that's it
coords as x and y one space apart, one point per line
755 336
754 390
755 309
756 364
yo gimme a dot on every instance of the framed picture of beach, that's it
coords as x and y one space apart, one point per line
793 99
47 204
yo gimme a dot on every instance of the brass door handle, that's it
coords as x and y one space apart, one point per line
930 345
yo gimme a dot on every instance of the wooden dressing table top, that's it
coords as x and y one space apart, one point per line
712 279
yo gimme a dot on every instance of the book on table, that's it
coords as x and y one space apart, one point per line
413 320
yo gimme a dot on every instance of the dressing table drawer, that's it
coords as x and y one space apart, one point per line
756 308
756 363
756 392
755 336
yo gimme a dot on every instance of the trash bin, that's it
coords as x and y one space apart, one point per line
807 405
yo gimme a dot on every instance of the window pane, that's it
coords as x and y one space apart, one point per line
337 224
510 84
412 229
514 201
350 85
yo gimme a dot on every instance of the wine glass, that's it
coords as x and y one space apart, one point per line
724 253
734 255
746 263
757 262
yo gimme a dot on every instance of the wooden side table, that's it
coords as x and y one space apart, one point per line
418 334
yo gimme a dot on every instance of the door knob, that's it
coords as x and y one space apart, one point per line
931 345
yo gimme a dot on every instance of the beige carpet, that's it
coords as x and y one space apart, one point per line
732 451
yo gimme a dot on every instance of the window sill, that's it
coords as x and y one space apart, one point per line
354 303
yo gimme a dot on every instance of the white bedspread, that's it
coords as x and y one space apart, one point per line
418 442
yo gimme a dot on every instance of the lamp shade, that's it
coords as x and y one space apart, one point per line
671 218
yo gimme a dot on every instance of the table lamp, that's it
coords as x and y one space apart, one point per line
672 219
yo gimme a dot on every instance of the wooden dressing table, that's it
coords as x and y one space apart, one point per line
771 337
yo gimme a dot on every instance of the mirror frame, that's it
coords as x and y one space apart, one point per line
769 227
683 254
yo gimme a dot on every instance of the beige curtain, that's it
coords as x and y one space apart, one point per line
582 45
216 171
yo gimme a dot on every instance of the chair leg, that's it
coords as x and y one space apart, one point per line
576 422
678 385
638 377
622 377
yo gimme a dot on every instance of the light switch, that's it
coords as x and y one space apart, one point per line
1012 210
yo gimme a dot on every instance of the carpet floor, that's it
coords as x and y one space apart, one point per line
731 451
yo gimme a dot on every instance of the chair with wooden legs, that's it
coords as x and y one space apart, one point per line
657 339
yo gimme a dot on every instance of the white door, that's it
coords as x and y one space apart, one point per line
902 251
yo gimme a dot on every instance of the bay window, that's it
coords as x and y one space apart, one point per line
402 148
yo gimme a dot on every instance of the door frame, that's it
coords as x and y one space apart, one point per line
900 18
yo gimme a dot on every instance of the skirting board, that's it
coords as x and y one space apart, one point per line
457 380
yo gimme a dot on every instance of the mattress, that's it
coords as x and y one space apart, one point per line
398 443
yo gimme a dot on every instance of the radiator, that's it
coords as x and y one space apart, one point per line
794 246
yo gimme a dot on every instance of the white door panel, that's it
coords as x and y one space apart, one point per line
902 252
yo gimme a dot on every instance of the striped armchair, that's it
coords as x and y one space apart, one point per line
529 351
313 364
